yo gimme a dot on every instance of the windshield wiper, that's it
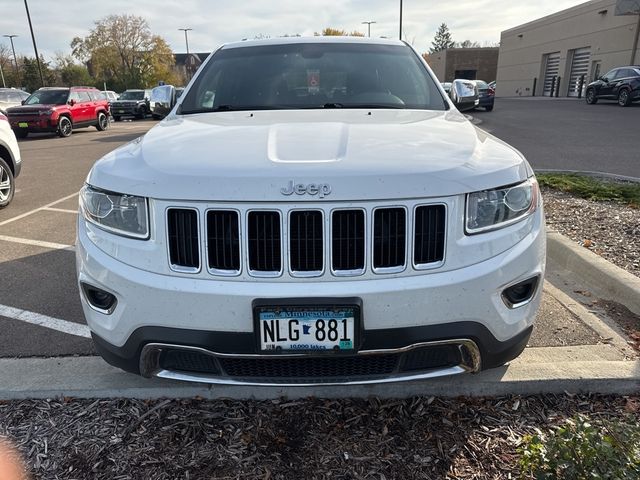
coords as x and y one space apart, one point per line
333 105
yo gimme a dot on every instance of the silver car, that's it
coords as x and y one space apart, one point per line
11 97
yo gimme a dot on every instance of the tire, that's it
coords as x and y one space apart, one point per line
116 118
591 97
103 122
7 184
489 109
142 114
624 98
65 127
21 132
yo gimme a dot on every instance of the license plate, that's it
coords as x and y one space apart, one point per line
23 124
307 328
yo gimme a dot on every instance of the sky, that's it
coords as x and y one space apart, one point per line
215 22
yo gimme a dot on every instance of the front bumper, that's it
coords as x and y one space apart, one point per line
35 124
206 321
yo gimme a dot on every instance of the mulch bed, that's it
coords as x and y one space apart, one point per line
417 438
609 229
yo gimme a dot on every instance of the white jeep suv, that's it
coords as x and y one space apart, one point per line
312 211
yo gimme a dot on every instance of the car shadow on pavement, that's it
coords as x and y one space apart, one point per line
122 138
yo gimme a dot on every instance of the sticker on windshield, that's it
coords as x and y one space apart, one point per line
313 81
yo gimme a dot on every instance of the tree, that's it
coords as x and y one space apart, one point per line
442 40
467 44
70 73
31 75
334 32
122 51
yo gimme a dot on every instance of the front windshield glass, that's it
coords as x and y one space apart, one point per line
48 97
315 75
132 96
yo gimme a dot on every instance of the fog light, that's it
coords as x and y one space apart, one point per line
521 293
98 299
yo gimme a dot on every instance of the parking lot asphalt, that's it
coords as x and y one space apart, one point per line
40 313
37 234
568 134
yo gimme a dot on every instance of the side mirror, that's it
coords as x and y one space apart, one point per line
71 102
23 102
604 79
464 95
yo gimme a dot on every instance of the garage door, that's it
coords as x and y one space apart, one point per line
579 67
551 71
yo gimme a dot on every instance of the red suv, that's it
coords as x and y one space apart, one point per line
60 110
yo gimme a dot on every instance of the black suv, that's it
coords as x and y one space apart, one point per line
132 103
621 84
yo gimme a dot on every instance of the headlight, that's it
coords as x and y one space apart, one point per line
125 215
492 209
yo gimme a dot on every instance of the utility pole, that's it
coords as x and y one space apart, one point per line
4 85
186 38
368 27
35 47
634 49
15 60
400 20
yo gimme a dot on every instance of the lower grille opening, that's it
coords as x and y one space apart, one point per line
330 367
315 369
187 361
442 356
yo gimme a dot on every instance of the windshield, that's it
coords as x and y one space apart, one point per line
316 75
132 96
482 84
48 97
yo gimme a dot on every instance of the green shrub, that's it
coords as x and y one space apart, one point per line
584 449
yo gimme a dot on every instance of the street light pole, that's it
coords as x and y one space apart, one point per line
369 27
4 85
186 38
33 38
400 37
15 60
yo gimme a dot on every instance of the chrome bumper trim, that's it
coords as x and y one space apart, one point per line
150 365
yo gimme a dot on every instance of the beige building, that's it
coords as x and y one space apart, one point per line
467 63
564 51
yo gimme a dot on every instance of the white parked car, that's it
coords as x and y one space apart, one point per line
314 211
10 161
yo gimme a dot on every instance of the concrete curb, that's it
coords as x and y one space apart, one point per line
602 277
583 369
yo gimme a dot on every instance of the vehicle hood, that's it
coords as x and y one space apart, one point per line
34 108
125 102
360 154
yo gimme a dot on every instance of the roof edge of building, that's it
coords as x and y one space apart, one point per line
547 17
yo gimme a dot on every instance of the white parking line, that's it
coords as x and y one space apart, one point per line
36 243
36 210
52 323
62 210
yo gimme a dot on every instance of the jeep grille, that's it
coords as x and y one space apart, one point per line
307 242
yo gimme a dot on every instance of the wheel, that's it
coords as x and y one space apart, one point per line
142 114
489 108
624 99
116 118
591 97
7 185
103 122
21 132
65 129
